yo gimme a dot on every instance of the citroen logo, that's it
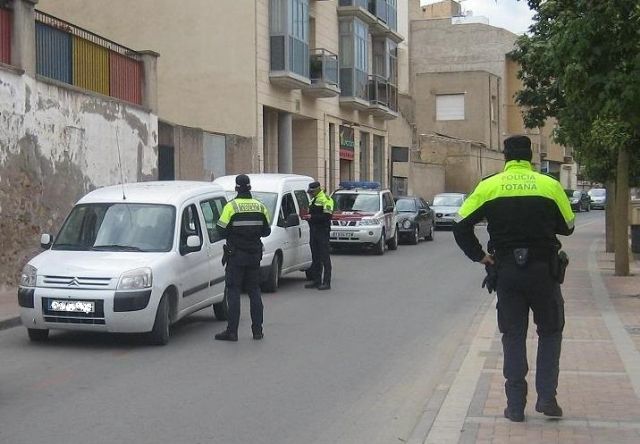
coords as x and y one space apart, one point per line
74 283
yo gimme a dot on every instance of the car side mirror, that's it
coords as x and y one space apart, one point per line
293 220
193 244
46 240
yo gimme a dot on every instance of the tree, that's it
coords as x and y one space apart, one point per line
580 63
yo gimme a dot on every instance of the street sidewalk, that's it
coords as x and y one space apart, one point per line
599 387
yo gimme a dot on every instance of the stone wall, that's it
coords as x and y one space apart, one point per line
56 144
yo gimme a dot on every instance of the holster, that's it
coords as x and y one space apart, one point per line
227 252
559 263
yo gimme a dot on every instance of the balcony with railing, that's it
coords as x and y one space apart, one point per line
357 8
386 23
323 73
289 43
355 89
383 98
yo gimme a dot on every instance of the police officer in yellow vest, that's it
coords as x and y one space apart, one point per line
243 222
320 211
525 210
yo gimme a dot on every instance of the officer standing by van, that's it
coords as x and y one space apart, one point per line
320 211
243 222
525 210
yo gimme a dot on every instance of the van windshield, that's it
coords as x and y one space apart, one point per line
269 200
118 227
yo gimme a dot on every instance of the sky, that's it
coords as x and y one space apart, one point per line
509 14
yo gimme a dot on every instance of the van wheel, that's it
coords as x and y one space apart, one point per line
160 333
393 242
379 250
272 282
38 335
221 309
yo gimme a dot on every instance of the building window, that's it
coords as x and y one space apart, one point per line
289 29
449 107
354 58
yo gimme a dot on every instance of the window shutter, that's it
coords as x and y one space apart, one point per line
450 107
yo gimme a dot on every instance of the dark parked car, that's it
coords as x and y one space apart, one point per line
415 219
580 200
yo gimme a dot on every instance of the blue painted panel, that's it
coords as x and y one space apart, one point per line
53 53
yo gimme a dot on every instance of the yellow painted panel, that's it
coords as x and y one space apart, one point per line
90 66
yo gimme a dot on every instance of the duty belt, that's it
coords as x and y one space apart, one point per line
534 254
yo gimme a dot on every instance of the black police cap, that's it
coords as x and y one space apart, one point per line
313 186
242 180
517 148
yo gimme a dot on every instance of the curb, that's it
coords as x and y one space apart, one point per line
9 322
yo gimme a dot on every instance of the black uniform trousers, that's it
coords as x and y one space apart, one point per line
320 255
520 289
243 272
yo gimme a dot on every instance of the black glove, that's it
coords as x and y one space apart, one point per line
490 281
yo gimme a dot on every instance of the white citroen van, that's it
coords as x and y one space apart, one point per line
132 258
287 248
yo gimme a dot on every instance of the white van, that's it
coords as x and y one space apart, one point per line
129 258
287 248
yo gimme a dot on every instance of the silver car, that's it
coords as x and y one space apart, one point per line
446 206
598 198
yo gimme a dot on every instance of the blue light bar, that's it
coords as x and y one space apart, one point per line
352 185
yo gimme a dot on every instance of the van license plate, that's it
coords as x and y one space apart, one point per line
72 306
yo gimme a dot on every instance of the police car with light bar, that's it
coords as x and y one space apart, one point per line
365 216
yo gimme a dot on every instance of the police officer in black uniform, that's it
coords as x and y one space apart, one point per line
243 222
525 210
320 211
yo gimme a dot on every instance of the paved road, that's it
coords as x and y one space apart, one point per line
353 365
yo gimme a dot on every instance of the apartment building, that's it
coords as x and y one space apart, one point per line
463 87
304 86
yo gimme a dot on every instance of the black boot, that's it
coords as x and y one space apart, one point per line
227 336
257 333
326 286
549 408
514 414
312 285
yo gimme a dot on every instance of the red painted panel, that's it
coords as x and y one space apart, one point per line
5 36
125 78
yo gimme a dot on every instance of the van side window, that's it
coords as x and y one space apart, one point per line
211 210
286 208
303 202
190 225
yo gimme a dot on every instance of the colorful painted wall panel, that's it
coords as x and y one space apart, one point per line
53 53
5 36
125 78
90 66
